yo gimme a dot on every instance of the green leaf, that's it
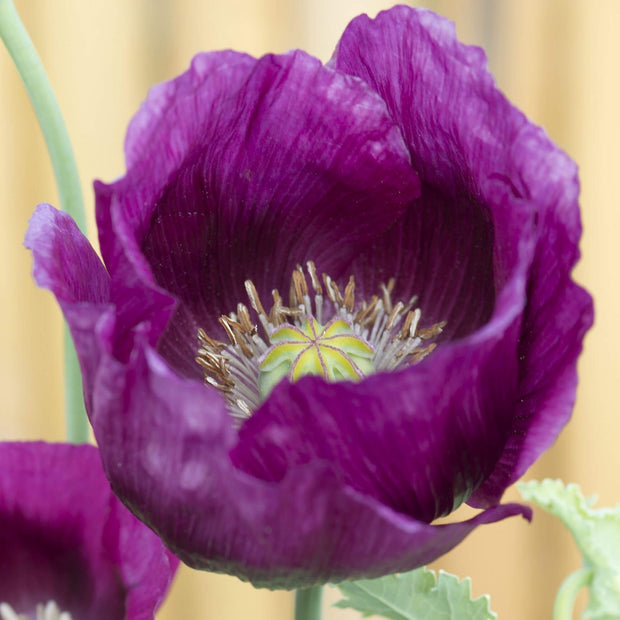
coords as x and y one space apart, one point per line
418 595
597 534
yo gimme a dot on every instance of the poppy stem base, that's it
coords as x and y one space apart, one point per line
308 603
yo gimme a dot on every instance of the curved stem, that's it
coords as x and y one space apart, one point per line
78 426
565 599
308 603
44 102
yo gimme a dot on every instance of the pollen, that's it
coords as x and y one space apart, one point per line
323 331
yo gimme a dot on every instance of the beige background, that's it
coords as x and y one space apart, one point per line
556 59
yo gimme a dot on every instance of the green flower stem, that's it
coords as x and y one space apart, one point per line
565 599
44 102
308 603
78 427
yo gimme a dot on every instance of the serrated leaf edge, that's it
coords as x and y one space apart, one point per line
439 579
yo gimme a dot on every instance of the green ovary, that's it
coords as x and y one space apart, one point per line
333 352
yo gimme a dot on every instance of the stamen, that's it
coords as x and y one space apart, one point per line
385 336
257 306
299 288
7 613
47 611
316 283
244 318
349 295
432 331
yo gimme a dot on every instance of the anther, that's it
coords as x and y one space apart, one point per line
364 337
349 294
316 283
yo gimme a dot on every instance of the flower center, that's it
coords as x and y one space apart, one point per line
358 339
47 611
332 351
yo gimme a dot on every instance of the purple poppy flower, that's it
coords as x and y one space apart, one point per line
69 547
317 441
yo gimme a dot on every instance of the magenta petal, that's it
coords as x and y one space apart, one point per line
66 264
66 538
459 244
476 153
167 453
249 167
556 318
419 441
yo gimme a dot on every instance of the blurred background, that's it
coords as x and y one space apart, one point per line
556 60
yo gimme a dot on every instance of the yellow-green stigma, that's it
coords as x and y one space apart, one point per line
341 340
333 352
